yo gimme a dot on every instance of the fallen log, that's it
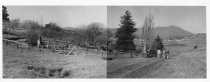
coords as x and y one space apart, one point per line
19 45
71 51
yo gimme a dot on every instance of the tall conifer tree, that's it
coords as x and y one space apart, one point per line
125 33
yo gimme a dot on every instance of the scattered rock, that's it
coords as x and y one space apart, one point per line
65 74
30 67
43 72
60 69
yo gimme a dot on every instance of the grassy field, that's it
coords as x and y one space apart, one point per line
36 63
183 62
188 64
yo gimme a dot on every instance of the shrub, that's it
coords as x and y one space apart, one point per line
33 33
139 48
65 74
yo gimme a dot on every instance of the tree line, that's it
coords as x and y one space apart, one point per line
95 34
92 34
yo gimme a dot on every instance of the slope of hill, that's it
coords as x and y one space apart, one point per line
170 32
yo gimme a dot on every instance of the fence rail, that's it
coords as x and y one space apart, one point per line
16 42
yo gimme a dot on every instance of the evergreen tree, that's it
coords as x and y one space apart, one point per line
157 45
5 15
158 40
124 34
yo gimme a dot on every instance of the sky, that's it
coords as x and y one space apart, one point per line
65 16
190 18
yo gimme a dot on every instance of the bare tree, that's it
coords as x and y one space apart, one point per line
147 32
93 31
15 24
27 23
53 31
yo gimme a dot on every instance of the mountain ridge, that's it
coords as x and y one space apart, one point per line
171 32
168 32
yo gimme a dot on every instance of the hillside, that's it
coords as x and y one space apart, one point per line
170 32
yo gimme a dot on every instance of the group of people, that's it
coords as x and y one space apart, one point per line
162 53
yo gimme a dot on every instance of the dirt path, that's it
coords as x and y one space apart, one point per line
188 64
123 72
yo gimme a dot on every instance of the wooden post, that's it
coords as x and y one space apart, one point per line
117 54
102 53
38 42
86 49
17 46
